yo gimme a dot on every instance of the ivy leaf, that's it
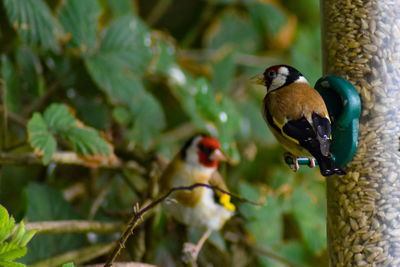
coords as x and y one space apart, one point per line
34 22
40 138
79 19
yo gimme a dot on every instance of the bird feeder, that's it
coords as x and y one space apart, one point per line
361 43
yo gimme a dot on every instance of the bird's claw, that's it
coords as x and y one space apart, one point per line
190 253
312 163
294 159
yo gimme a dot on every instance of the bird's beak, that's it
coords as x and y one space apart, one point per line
258 79
217 155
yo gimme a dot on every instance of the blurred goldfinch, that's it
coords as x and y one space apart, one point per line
201 207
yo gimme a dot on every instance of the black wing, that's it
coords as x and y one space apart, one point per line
323 129
316 142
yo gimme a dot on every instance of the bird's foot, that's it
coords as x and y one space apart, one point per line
312 163
294 159
191 251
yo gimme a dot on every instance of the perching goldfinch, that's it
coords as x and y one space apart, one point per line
197 162
297 116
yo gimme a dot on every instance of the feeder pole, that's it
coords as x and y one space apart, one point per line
361 43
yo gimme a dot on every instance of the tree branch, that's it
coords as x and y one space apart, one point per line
5 114
78 256
14 117
73 226
64 158
125 264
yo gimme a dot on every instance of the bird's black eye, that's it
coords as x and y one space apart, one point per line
271 74
205 150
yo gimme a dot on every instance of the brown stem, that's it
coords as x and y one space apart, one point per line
73 226
5 114
64 158
78 256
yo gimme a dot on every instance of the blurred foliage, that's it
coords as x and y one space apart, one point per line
137 78
12 244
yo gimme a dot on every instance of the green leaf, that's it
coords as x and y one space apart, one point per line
121 115
57 119
120 87
79 18
69 264
120 8
310 221
12 254
306 52
223 71
260 216
34 22
27 237
47 204
234 32
9 74
254 125
40 137
19 233
86 141
6 224
267 18
149 119
126 46
11 264
165 56
30 70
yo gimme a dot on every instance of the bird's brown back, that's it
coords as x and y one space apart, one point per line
308 100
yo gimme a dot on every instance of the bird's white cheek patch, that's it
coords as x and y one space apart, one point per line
278 82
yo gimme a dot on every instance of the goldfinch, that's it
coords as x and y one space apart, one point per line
297 116
197 162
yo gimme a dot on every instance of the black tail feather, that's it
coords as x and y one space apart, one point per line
328 167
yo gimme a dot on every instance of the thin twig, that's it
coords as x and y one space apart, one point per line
158 11
205 16
73 226
78 256
100 198
14 117
49 92
64 158
5 114
139 213
125 264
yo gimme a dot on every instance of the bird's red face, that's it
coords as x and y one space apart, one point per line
209 152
